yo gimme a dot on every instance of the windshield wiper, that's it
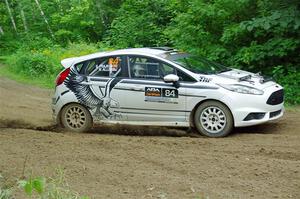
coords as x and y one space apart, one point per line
224 70
199 71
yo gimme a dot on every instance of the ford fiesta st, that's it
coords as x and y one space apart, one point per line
162 87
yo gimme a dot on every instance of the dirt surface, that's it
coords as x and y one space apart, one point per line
126 162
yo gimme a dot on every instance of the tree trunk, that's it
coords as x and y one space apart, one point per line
102 15
45 19
23 18
11 16
1 31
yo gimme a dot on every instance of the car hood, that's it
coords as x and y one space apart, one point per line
241 77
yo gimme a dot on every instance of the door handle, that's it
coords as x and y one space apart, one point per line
137 88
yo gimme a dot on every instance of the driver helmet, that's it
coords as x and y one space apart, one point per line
139 70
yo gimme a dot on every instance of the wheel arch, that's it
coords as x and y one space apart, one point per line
191 117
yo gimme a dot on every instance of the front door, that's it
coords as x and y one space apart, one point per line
145 96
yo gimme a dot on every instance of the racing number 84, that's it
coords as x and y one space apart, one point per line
173 93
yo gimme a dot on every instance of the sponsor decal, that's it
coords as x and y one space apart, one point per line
163 95
103 67
152 91
204 79
112 65
101 108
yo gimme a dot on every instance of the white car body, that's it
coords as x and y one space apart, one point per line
128 101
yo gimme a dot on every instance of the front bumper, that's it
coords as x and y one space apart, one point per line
248 110
269 115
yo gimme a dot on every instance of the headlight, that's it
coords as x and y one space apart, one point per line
242 89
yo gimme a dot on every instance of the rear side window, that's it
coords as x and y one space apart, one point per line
79 66
90 66
101 67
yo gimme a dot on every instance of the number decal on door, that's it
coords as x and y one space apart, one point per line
169 92
163 95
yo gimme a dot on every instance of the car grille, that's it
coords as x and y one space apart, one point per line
276 98
275 113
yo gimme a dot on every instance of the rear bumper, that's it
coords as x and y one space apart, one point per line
61 97
55 111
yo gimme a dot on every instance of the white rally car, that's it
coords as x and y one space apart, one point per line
162 87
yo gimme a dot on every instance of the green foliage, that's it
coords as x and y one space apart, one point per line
5 192
44 63
290 78
41 188
73 22
255 35
32 63
50 188
47 189
140 23
31 185
200 28
247 34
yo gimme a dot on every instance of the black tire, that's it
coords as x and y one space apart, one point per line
213 119
76 118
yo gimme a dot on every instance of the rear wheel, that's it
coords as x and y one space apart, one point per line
213 119
76 118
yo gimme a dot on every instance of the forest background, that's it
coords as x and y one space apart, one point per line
255 35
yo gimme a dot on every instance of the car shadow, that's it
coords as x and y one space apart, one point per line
266 128
130 130
117 129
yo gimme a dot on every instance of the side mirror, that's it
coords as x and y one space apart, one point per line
171 78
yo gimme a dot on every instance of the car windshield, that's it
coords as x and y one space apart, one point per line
197 64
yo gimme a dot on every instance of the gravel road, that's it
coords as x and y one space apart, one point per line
126 162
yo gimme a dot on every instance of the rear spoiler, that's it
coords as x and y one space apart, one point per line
68 62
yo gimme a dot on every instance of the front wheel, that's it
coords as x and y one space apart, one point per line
213 119
76 118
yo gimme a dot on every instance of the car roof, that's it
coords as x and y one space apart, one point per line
158 51
154 51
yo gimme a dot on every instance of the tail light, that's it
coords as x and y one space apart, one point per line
62 76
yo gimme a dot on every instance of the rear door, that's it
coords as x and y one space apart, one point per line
101 77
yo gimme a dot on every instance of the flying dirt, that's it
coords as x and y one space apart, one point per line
129 162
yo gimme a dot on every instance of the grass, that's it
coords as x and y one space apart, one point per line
5 190
44 82
31 64
292 108
48 188
40 188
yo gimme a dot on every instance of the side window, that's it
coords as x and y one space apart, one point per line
184 77
102 67
167 69
148 68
